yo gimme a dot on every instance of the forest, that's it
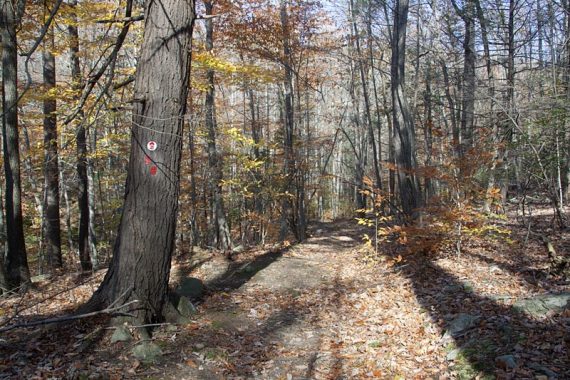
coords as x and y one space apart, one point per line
285 189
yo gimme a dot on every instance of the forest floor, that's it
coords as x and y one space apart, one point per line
324 309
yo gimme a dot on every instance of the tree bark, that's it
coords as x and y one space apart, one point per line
220 234
404 136
51 217
140 267
365 93
468 87
287 213
17 271
87 257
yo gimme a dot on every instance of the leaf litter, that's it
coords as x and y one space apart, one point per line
363 319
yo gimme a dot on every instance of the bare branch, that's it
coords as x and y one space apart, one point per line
109 310
121 20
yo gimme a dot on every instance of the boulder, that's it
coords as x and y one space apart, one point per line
185 307
542 370
121 334
453 354
506 362
461 324
544 304
147 352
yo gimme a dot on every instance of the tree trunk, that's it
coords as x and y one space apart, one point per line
288 219
87 258
52 230
495 138
566 178
140 267
220 234
17 271
366 96
256 136
404 136
468 88
3 246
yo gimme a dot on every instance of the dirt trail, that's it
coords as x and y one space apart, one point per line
280 323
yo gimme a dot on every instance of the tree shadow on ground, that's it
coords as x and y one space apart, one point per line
238 273
531 276
538 347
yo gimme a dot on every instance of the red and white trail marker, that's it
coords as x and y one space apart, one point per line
151 145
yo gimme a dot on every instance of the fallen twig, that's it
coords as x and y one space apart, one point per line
109 310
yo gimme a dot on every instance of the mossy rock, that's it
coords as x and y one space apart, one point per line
121 334
545 304
147 352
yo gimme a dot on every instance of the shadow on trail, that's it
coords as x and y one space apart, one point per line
238 274
322 236
529 275
498 330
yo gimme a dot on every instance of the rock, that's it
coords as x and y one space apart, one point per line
199 346
185 307
494 268
246 268
541 377
238 249
550 374
544 304
506 362
461 324
40 278
97 376
453 354
147 352
190 287
467 286
121 334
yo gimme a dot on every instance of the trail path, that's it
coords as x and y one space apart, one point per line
284 320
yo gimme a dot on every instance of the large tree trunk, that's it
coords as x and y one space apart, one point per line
220 234
17 271
52 231
404 136
140 267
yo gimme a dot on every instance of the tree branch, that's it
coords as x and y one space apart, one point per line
109 310
121 20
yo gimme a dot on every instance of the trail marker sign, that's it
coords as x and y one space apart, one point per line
151 145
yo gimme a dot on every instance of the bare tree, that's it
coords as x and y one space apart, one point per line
51 225
404 135
17 271
220 231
